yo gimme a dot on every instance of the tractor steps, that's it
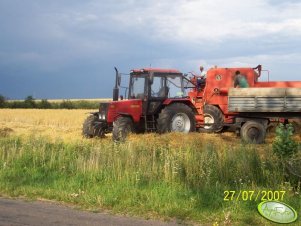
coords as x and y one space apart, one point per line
150 123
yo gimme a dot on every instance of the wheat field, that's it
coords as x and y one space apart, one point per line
53 123
67 125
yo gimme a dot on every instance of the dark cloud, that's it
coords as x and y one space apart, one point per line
68 49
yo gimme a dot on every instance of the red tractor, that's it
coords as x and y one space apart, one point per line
165 100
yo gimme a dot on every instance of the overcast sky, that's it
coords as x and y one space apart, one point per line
68 49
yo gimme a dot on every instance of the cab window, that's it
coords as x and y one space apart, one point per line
137 87
175 86
158 88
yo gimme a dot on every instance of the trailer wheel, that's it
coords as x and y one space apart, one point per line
177 117
91 129
253 132
121 128
213 114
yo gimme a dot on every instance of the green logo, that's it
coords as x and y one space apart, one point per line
278 212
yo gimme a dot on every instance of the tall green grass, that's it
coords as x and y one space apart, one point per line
144 177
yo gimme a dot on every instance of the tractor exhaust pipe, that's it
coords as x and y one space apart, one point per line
116 88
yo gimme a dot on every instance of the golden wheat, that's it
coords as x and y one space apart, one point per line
65 124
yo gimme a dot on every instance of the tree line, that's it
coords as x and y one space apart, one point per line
30 102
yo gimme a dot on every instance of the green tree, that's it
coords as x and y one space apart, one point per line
44 104
67 104
29 102
2 101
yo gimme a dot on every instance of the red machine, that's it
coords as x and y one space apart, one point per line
165 100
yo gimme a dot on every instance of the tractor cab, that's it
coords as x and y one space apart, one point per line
156 83
153 86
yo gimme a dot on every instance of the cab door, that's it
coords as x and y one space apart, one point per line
157 93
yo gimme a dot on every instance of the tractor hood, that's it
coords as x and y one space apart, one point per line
131 108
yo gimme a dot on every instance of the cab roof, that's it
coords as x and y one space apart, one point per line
158 70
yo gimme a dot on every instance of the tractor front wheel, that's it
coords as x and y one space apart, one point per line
177 117
92 127
122 127
253 132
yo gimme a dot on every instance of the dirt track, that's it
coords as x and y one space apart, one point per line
36 213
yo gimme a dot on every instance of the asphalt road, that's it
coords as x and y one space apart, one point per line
40 213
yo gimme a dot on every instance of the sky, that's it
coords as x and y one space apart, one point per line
61 49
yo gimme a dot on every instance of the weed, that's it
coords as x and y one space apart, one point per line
284 146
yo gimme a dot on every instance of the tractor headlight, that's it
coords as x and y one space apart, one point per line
102 116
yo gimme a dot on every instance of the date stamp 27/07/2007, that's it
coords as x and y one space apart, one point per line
252 195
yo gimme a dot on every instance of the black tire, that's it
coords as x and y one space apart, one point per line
91 128
121 128
169 119
253 132
213 114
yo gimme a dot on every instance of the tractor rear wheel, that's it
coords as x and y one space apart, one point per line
91 128
122 127
213 114
253 132
177 117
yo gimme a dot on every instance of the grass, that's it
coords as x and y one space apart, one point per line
160 179
155 176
